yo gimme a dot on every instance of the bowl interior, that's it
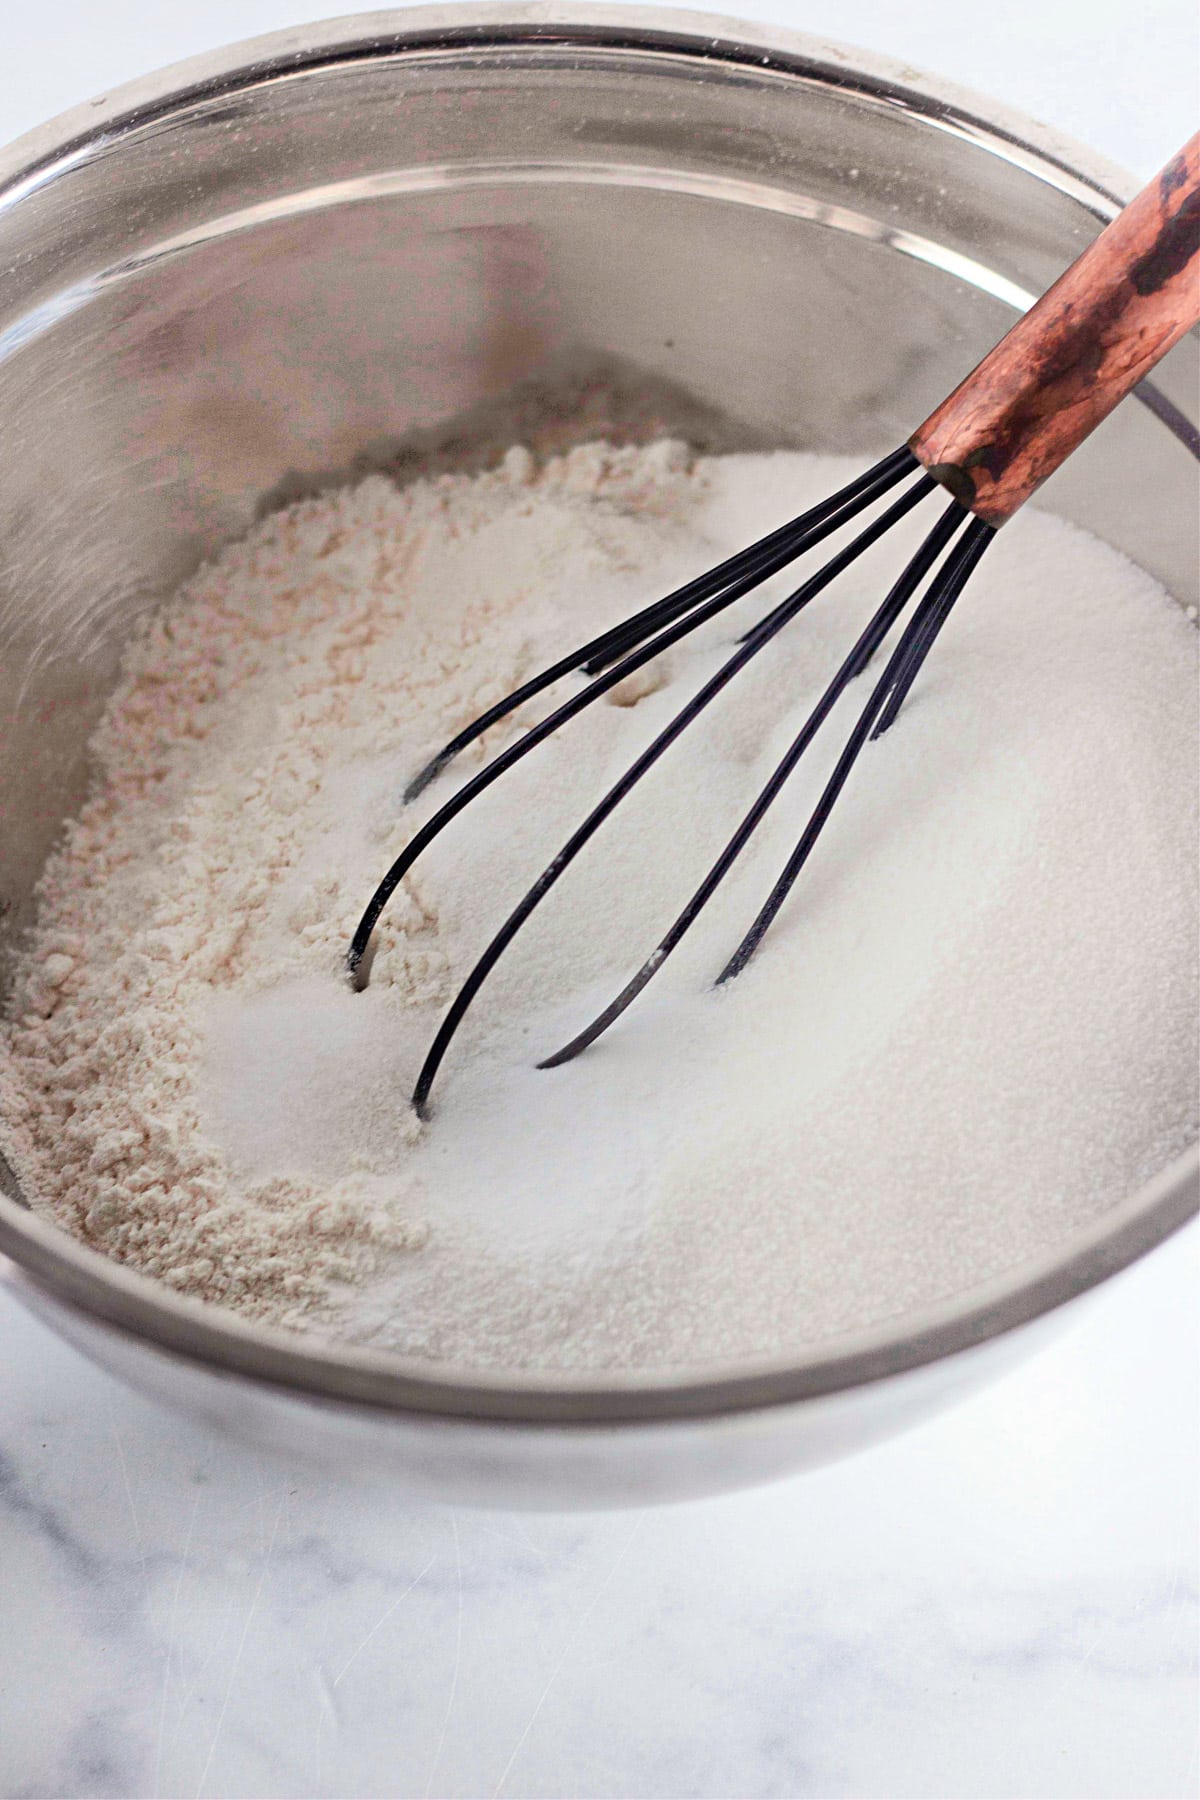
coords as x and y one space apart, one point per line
258 284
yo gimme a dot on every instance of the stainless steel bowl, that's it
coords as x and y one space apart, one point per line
428 230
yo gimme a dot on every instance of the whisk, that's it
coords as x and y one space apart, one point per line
1061 369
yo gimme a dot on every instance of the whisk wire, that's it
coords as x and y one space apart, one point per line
903 666
745 652
950 522
758 560
809 528
923 642
787 544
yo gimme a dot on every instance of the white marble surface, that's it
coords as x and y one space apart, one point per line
1001 1604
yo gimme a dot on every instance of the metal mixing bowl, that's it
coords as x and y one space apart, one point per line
426 231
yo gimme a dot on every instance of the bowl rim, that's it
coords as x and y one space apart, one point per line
38 1259
715 38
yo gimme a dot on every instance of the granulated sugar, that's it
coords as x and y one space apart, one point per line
971 1029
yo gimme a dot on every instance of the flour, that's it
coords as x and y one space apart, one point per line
971 1030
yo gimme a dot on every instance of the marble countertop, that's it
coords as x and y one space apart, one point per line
1002 1603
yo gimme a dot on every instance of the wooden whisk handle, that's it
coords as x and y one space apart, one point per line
1065 365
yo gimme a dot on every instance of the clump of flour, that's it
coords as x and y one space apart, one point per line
971 1029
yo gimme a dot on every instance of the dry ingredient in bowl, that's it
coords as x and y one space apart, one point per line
971 1030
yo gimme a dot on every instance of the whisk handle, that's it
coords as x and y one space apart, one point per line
1064 366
